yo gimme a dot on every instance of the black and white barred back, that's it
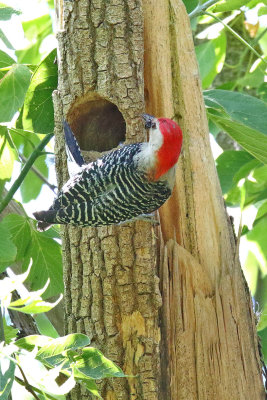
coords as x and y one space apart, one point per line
110 190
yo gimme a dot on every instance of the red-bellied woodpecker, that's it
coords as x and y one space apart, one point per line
123 184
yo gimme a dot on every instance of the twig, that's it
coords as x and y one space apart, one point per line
200 8
35 154
27 385
236 35
21 382
39 174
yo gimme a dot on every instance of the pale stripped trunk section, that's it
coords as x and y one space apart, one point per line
202 343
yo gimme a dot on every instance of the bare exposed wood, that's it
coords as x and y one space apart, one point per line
208 322
203 344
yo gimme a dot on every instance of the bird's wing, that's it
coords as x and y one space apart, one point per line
99 177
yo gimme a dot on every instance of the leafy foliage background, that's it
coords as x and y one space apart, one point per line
231 51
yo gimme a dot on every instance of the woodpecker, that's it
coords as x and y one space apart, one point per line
123 185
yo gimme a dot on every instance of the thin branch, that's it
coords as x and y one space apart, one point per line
236 35
35 154
201 8
27 385
39 174
21 382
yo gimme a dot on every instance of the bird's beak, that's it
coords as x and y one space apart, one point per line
148 120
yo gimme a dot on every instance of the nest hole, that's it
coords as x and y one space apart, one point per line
98 125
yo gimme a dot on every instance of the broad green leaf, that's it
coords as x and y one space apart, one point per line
38 28
35 31
20 233
95 365
6 12
5 61
30 342
46 264
262 212
263 319
62 344
242 108
32 184
190 5
92 387
229 5
263 337
8 250
251 271
228 164
262 91
38 113
34 307
13 87
258 236
7 155
7 373
250 139
9 332
26 142
254 78
45 327
214 51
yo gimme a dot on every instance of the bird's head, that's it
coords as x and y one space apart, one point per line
165 137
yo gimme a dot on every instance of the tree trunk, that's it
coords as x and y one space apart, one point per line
169 305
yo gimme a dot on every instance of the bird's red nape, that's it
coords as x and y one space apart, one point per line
168 154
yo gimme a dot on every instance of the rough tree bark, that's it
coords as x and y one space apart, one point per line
169 305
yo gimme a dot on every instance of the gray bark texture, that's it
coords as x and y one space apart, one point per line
168 304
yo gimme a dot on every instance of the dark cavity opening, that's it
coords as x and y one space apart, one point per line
97 124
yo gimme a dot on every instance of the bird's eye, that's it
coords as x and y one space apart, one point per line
153 125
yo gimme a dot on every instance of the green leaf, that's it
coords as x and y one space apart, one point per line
36 306
9 332
38 113
7 155
262 212
13 87
45 327
8 250
263 319
5 61
6 12
213 50
258 236
30 342
46 264
190 5
250 139
228 163
32 184
95 365
229 5
263 337
35 31
62 344
20 233
242 108
7 373
92 387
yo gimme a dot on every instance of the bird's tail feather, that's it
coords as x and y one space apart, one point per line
45 219
72 145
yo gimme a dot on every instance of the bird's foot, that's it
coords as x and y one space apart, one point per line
149 218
